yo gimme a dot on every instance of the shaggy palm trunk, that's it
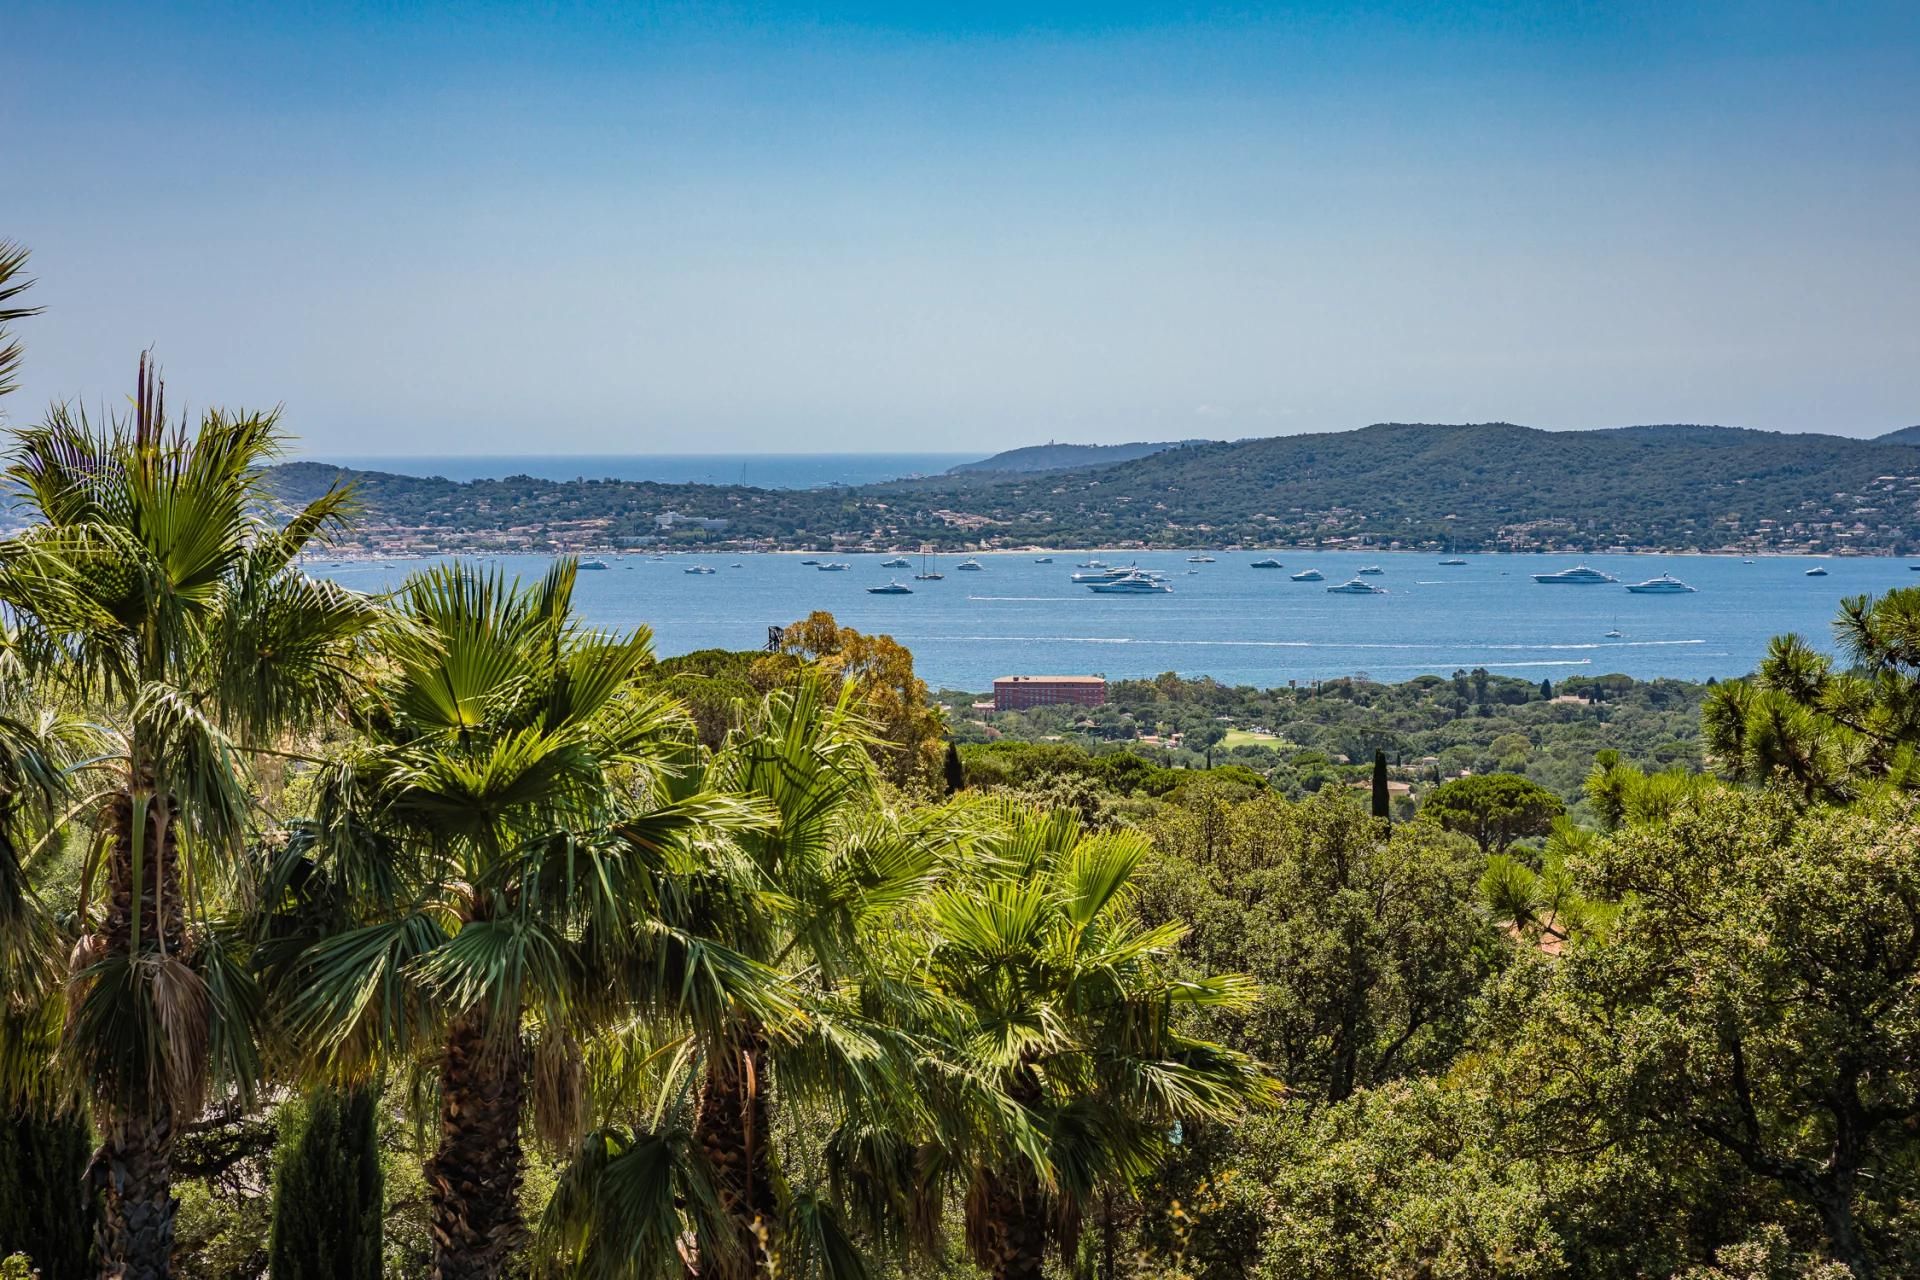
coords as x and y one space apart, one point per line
1011 1228
1007 1208
132 1166
474 1176
731 1123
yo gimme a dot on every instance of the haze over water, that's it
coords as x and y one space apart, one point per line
1237 624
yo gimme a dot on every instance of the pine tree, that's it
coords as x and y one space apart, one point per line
1381 807
327 1193
956 770
1546 691
44 1211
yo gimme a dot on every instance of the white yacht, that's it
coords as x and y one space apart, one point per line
595 564
1664 585
1309 575
1369 570
700 568
1200 559
898 562
1043 559
1356 588
1579 576
891 589
1453 560
1268 563
969 564
1818 571
1091 564
1131 584
836 566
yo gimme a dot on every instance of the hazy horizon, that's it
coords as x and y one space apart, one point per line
862 228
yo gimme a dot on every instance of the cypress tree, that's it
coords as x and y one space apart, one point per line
327 1193
1380 798
1546 691
45 1212
956 771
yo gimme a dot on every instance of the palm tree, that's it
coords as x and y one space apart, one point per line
495 833
1067 1006
797 904
154 591
13 260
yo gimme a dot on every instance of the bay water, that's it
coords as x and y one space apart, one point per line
1227 620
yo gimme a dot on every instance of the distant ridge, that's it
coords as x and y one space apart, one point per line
1463 487
1905 435
1062 457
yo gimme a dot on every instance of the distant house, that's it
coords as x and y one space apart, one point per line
1016 693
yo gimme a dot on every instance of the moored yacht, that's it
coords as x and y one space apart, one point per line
1268 563
1453 560
1130 584
969 564
595 564
1043 559
700 568
891 589
836 566
1356 588
1579 576
1664 585
1369 570
898 562
1309 575
1200 559
1818 571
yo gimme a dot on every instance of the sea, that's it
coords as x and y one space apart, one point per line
1238 624
762 470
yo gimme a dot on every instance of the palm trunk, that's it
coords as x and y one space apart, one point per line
132 1166
732 1123
1013 1227
473 1179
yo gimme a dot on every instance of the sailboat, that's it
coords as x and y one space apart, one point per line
929 572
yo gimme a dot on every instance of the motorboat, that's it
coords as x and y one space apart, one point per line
1369 570
1268 563
969 565
1091 564
1579 576
699 568
891 589
1453 560
1616 634
898 562
812 562
736 565
1115 574
1043 559
1664 585
1356 588
1309 575
595 564
836 566
1818 571
1200 559
1132 584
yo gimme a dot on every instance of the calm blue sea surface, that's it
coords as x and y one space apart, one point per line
764 470
1241 625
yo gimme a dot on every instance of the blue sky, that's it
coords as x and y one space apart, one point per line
499 229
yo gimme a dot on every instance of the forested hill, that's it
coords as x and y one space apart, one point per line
1905 435
1060 457
1477 486
1480 485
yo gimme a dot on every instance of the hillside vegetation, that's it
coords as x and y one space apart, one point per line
1466 487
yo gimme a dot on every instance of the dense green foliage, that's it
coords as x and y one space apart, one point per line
44 1212
328 1202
